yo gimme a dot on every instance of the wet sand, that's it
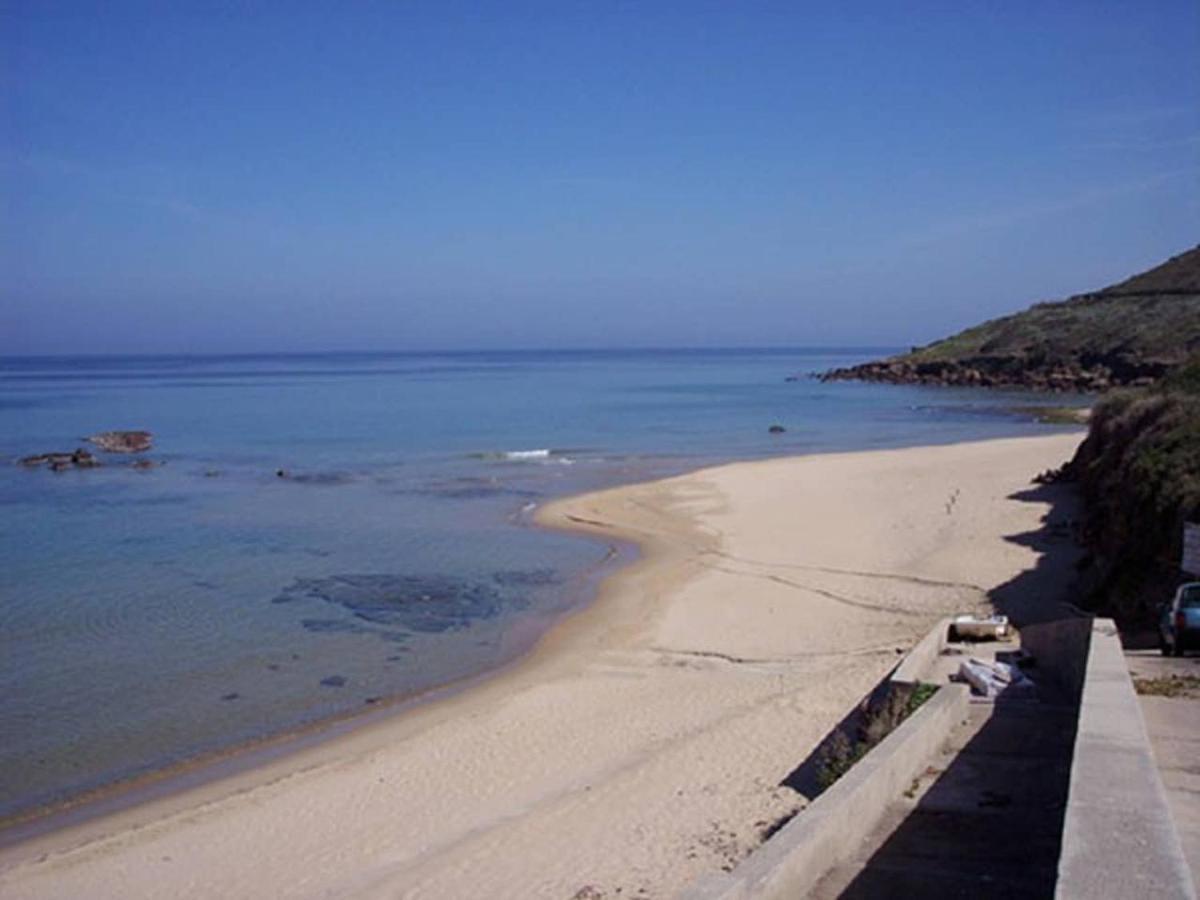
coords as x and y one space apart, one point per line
644 742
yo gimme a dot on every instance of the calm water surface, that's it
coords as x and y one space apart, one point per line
150 616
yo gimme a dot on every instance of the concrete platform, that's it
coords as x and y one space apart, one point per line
986 822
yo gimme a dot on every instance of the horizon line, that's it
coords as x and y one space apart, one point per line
465 351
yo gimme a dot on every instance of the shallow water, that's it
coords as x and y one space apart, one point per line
147 616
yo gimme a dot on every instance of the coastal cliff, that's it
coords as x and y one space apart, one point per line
1128 334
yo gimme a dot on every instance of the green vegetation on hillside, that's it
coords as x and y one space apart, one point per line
1139 468
1131 333
1139 473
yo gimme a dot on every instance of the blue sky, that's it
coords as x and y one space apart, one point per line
228 177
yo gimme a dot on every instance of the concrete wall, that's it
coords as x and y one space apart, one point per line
833 826
1119 839
919 661
1061 651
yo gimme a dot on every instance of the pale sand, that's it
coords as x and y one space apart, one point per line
643 743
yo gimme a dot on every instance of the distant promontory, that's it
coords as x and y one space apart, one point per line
1129 334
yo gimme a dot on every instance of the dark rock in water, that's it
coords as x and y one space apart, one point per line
776 429
526 577
42 459
84 459
429 604
144 464
333 681
122 441
212 473
233 696
281 473
371 700
58 462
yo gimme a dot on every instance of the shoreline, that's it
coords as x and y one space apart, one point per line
215 765
582 657
163 783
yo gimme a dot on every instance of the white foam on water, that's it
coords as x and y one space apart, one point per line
527 454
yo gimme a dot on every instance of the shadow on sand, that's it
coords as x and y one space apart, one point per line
991 823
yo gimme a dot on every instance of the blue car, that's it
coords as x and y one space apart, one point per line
1179 627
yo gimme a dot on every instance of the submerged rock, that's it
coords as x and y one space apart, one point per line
776 429
524 578
426 604
122 441
42 459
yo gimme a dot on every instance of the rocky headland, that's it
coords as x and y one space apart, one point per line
1130 334
1138 471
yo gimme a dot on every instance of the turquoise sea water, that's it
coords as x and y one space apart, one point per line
149 616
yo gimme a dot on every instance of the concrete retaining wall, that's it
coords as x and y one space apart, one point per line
1119 839
831 829
919 661
1060 649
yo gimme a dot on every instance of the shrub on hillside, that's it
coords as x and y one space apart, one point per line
1139 473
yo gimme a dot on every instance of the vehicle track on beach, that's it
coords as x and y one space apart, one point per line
835 597
883 576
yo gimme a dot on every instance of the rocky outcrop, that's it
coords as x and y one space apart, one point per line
109 441
1127 335
58 462
122 441
1093 374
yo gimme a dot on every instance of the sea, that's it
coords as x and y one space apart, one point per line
325 534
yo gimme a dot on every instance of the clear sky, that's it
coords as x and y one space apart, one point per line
228 177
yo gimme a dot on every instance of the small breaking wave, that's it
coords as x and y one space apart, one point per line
527 454
542 454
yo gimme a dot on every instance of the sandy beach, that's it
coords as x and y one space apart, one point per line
646 740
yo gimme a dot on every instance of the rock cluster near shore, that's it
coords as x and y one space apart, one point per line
107 441
57 462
